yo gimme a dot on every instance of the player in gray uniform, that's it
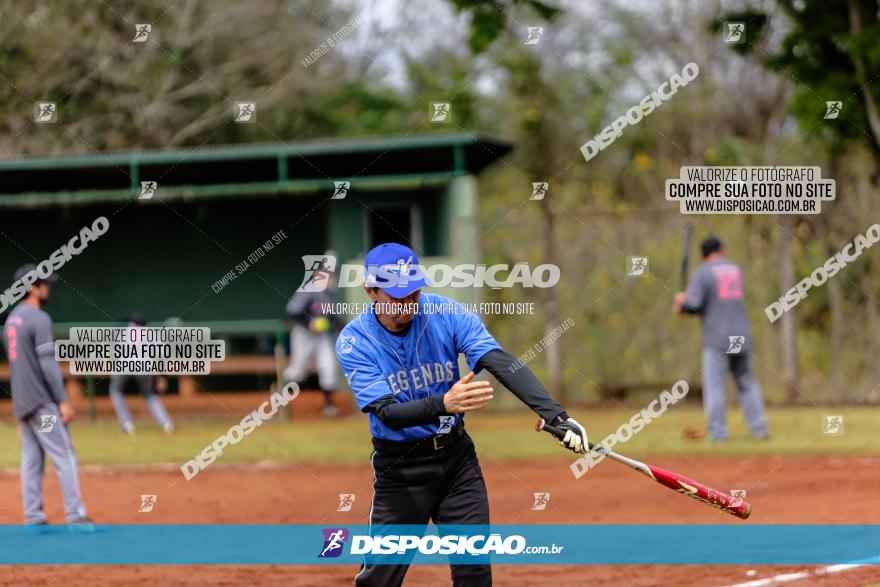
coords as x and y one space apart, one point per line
716 294
147 386
40 404
312 338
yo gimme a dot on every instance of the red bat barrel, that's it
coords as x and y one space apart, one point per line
732 505
684 485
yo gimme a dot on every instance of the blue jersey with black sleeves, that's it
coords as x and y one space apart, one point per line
421 364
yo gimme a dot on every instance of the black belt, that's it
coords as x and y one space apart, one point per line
427 444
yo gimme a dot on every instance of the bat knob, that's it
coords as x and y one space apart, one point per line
539 425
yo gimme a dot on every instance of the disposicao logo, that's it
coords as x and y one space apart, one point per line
334 541
319 269
447 544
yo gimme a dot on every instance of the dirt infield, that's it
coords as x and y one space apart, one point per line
781 491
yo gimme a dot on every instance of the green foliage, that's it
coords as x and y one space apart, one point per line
489 17
178 88
755 26
443 76
819 52
350 108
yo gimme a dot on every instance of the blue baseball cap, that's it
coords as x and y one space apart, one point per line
395 269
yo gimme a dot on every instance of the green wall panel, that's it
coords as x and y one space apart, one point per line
163 259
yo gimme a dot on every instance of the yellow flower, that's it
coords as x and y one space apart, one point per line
603 280
615 320
643 162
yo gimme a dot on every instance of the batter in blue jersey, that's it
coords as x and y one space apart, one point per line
401 361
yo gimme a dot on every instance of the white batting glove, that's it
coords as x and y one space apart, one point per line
575 438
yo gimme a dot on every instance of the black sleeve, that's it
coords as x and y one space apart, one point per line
520 380
399 415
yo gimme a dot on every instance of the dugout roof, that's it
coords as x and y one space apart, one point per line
405 162
214 206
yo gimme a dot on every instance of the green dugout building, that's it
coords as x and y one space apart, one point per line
213 207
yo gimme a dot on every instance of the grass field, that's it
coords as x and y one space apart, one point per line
794 432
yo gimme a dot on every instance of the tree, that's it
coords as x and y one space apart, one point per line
178 87
489 18
831 51
534 137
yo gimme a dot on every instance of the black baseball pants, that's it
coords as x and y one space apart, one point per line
445 486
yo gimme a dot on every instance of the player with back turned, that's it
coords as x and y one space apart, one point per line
715 293
400 358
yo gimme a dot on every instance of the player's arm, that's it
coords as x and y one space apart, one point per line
465 396
692 300
373 393
45 347
483 352
398 416
522 383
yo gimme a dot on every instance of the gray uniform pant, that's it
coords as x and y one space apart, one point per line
305 346
44 433
716 364
145 386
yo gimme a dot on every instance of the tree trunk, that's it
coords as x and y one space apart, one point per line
789 320
551 306
862 15
835 303
538 148
873 327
